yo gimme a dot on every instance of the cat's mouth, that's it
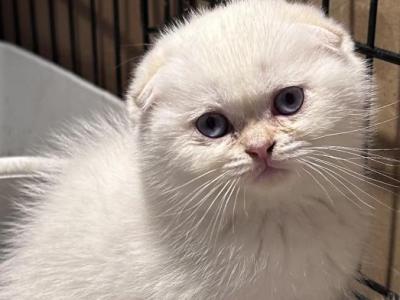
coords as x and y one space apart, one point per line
269 170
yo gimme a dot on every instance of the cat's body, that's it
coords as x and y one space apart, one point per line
94 237
147 208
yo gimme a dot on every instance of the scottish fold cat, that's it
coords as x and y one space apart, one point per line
217 182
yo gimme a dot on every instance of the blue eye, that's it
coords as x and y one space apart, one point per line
213 125
289 100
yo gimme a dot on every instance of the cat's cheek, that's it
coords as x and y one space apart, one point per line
195 153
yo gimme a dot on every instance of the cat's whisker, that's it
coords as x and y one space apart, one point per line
362 155
355 186
175 196
304 162
234 208
124 63
218 186
363 128
210 206
357 157
227 200
238 171
223 201
335 176
292 150
359 189
193 198
178 204
337 189
244 203
375 109
200 203
356 175
359 116
219 207
356 148
193 195
358 165
236 164
367 151
190 181
297 154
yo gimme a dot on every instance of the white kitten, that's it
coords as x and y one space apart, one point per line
219 188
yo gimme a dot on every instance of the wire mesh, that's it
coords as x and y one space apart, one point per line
368 49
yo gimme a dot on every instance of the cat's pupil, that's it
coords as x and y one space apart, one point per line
290 99
211 122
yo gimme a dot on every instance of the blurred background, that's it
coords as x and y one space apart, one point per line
101 41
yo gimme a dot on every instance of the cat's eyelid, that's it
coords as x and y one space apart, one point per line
198 113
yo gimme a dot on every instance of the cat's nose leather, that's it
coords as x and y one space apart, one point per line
262 151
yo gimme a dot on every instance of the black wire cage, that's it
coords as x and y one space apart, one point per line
14 12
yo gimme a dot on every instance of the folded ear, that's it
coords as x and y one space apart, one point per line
332 37
140 92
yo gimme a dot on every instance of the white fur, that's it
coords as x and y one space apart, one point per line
23 166
128 215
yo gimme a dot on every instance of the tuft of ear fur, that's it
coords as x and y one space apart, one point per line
329 37
140 92
139 96
330 33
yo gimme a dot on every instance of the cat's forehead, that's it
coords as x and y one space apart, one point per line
236 73
244 49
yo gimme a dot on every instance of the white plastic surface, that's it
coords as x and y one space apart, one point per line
37 96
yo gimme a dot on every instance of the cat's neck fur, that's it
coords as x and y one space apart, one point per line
253 248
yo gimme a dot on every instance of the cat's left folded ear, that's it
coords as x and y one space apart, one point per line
141 90
332 37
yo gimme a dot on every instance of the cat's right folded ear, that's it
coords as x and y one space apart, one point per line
140 94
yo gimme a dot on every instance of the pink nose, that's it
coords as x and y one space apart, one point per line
261 151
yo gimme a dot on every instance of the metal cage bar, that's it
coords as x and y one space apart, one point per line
1 22
181 8
117 48
17 29
193 3
167 12
325 6
52 24
71 27
375 52
360 296
380 289
144 15
32 16
373 11
95 57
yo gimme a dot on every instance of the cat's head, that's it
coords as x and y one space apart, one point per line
242 92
